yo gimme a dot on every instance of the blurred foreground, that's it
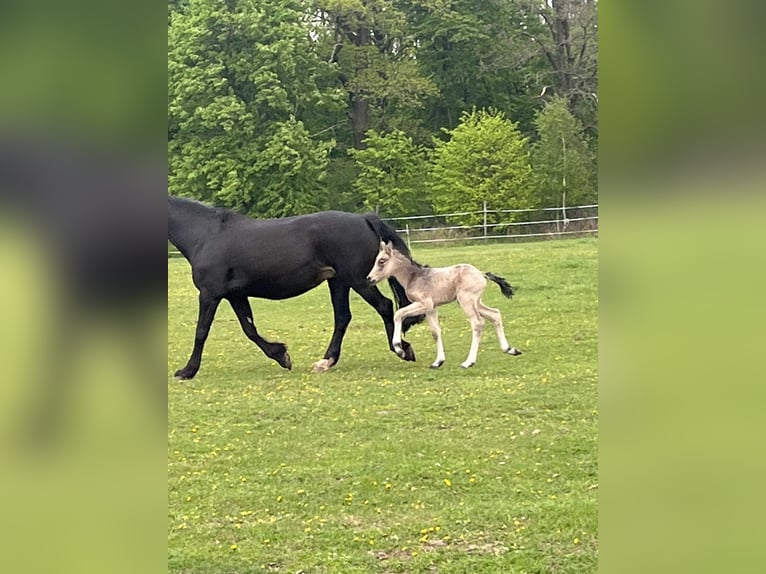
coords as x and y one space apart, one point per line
682 270
82 324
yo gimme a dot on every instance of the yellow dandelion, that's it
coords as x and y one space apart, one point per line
448 482
233 546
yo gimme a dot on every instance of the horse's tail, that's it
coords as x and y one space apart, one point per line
387 233
505 287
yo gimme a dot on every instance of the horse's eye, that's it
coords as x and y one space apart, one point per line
381 262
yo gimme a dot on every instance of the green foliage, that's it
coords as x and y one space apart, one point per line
270 470
390 174
289 175
474 52
565 168
240 75
485 159
377 65
265 98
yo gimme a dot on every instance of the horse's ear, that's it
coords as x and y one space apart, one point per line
382 246
389 248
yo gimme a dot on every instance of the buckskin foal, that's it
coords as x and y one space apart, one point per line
429 287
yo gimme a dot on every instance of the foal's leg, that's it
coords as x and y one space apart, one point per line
342 315
411 310
385 309
471 308
276 351
496 319
207 308
433 323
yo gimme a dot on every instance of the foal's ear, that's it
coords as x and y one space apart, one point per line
388 247
382 246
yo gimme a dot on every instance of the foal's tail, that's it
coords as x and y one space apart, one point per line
387 233
505 287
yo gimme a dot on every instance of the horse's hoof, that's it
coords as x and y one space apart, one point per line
285 362
467 365
322 366
404 351
437 364
184 374
513 351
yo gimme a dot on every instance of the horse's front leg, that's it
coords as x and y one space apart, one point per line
207 308
410 310
342 317
276 351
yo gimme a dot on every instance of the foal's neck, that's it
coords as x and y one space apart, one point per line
406 270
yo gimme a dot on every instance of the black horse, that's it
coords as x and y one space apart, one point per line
234 257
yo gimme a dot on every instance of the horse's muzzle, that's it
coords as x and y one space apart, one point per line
371 281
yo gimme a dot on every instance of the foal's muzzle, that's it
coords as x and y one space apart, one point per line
371 281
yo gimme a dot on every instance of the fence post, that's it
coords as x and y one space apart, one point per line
407 230
485 219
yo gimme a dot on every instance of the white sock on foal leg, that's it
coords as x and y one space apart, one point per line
477 328
496 319
436 332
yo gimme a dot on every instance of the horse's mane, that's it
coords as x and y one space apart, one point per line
222 214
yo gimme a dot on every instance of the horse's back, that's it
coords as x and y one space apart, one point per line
282 258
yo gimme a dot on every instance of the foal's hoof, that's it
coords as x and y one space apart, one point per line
513 351
322 366
467 365
437 364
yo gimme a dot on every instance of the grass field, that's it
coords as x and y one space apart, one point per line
382 466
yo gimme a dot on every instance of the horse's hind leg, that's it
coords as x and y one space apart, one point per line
471 309
276 351
496 319
433 323
385 308
342 317
207 308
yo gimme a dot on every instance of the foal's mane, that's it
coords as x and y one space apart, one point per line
411 260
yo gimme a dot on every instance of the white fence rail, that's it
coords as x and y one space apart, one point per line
544 222
511 224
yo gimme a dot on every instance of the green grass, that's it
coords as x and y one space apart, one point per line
382 466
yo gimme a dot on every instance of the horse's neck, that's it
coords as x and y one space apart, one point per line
189 225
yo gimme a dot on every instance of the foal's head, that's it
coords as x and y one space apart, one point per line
387 261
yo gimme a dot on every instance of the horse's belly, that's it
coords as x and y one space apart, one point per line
285 286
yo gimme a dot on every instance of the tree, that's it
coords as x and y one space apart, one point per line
466 47
375 55
568 40
241 76
565 170
390 174
485 159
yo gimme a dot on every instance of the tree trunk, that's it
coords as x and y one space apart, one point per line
360 120
359 109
